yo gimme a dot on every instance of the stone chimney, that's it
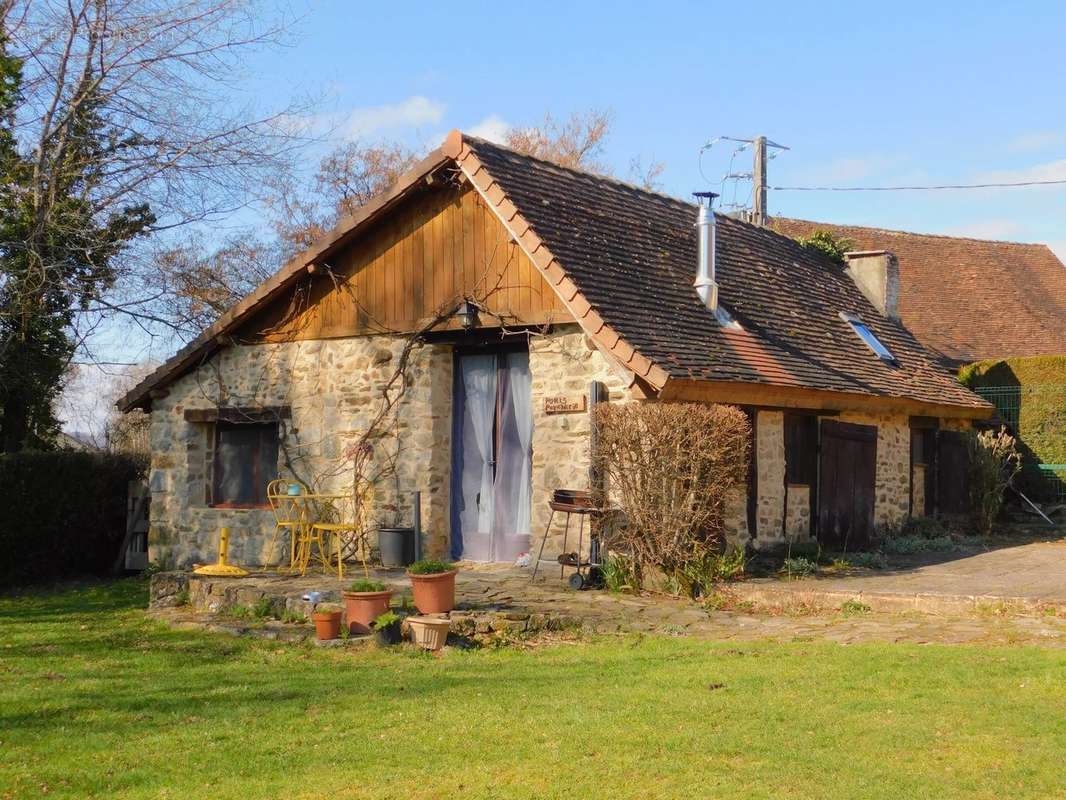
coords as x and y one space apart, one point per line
876 273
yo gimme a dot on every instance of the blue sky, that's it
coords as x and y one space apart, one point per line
863 94
877 95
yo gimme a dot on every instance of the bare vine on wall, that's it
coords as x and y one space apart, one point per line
366 461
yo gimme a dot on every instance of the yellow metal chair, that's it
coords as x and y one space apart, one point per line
289 515
340 529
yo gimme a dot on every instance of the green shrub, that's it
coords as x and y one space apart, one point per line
365 585
263 608
798 566
906 545
853 607
386 619
619 574
62 514
429 566
923 528
828 244
699 575
868 560
1032 392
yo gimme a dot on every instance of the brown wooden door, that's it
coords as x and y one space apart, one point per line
952 473
847 485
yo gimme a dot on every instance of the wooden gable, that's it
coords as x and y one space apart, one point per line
440 246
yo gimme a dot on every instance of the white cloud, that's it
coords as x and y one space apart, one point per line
1036 141
849 170
373 120
1050 171
492 128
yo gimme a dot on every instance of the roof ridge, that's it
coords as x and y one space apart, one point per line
912 233
476 140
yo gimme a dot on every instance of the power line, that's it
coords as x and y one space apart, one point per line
915 188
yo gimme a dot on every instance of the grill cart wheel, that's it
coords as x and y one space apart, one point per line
577 581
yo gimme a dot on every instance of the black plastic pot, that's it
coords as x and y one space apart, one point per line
397 546
390 634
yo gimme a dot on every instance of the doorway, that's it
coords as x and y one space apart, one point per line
492 433
847 485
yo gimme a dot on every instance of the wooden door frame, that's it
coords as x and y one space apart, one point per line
852 431
483 347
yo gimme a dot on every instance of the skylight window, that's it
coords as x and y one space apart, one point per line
868 338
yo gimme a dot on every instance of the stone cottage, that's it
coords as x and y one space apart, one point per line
500 297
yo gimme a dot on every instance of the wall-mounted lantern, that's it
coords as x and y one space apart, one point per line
466 313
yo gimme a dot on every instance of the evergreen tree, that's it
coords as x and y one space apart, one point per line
55 256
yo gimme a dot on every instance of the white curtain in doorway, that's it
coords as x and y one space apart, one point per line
479 400
513 486
522 397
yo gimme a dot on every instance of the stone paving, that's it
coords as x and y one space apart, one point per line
497 598
1029 577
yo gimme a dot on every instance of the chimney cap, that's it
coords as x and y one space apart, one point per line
705 195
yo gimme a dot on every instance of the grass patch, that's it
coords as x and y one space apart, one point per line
852 608
98 701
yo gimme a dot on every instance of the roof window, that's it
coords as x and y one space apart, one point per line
869 339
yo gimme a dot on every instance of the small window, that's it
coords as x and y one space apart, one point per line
869 338
246 460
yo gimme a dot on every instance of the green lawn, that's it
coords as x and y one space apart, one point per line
96 701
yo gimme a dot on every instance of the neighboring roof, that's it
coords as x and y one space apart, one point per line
623 260
968 299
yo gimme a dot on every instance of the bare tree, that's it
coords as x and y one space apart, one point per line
347 178
127 122
576 142
646 176
195 280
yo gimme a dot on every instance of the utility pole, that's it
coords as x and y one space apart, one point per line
759 214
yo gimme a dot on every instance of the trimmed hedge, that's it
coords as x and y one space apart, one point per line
62 514
1040 399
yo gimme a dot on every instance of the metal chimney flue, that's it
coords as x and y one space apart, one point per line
705 284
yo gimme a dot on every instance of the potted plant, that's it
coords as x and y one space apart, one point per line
387 628
430 633
327 617
433 585
364 601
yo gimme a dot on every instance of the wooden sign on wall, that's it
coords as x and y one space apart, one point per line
564 405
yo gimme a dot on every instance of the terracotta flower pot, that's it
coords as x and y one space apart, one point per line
327 624
434 593
363 608
429 633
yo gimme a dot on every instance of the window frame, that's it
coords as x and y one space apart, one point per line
258 481
869 338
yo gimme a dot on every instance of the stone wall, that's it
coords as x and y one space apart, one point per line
563 363
798 514
333 388
770 461
790 512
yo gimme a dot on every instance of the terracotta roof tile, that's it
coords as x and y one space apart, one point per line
968 299
632 255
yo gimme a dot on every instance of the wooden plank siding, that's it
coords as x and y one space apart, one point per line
441 246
